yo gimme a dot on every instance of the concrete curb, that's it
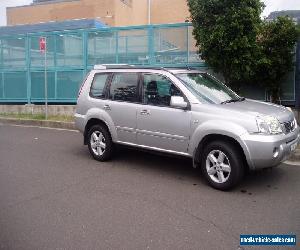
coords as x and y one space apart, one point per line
295 157
38 123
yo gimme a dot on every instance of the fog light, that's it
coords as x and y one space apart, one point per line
275 152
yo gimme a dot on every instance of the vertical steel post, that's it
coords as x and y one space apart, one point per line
187 44
149 12
28 63
84 36
117 45
2 79
46 83
55 65
297 75
151 45
1 54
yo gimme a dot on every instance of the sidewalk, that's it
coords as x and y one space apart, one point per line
295 157
38 123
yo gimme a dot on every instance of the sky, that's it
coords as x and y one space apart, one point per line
10 3
271 5
274 5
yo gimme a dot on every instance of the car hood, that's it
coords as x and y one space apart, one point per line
258 108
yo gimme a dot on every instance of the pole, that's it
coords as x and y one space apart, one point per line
149 12
46 83
297 75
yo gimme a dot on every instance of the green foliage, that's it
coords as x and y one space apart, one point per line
234 41
26 116
225 31
276 42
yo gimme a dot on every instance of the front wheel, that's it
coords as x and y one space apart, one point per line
222 165
100 143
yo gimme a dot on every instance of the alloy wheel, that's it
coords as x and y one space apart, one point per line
98 144
218 166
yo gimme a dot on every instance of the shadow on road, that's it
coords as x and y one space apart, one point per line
181 168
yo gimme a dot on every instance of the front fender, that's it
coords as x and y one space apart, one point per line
216 127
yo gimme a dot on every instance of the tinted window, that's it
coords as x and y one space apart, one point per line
208 89
158 90
97 88
124 87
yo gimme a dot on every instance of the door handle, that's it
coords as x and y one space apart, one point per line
145 112
106 107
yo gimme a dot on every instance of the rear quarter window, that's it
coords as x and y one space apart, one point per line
98 85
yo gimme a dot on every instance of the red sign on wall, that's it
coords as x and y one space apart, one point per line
43 44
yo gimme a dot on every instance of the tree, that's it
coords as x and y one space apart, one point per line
276 42
226 32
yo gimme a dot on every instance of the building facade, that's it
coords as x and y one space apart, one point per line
110 12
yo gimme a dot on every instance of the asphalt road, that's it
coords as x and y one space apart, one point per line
53 195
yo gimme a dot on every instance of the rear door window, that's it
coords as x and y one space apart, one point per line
124 87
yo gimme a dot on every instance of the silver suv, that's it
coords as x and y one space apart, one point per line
183 112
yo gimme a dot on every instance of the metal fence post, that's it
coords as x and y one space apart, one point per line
55 65
85 51
1 55
2 79
46 81
28 63
151 45
297 76
187 44
117 46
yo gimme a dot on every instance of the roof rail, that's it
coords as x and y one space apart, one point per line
113 66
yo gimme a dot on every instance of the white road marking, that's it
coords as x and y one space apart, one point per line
32 126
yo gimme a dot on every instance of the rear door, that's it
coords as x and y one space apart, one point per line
122 105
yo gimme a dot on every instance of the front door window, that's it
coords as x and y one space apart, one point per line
158 90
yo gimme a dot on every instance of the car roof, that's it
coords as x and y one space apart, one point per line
112 67
184 70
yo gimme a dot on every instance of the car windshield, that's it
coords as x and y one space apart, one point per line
208 89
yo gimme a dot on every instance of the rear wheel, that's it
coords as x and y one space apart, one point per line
100 143
222 164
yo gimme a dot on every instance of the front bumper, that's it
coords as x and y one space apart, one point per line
263 151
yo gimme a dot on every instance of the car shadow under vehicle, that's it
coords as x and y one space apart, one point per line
181 168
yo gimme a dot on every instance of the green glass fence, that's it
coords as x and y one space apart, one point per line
71 54
38 85
15 85
13 52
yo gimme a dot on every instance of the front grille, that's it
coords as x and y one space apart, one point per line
289 126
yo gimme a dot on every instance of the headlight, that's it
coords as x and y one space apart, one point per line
268 125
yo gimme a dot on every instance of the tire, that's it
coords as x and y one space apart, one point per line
100 143
222 165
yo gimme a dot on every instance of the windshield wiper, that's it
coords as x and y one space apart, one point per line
234 100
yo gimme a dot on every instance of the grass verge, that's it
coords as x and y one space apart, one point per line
61 118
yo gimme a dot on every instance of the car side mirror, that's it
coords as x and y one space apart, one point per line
178 102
